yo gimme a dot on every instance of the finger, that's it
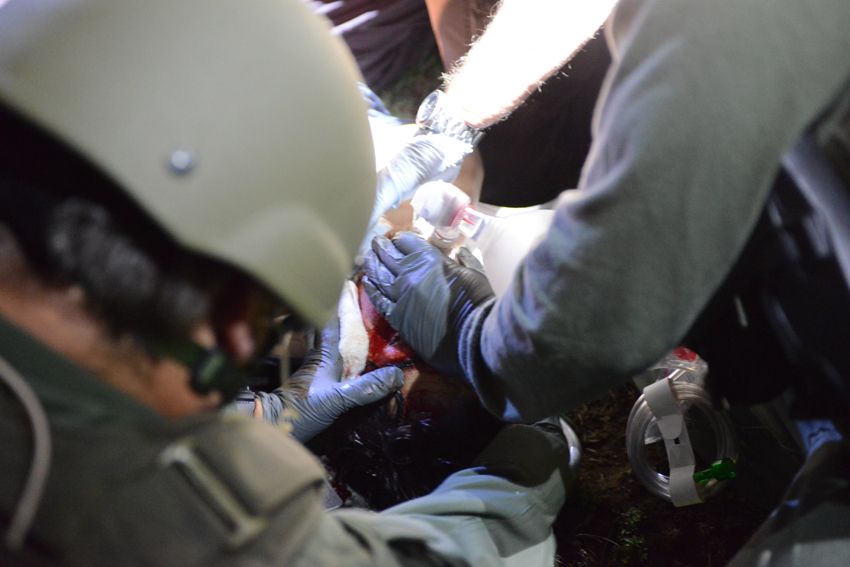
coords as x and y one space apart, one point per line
387 253
377 227
379 275
382 303
466 258
410 242
322 359
328 372
371 387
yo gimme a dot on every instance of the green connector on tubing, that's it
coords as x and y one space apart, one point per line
723 469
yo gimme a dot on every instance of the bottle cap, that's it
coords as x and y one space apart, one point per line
440 203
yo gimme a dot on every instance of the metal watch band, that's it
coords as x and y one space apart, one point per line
433 116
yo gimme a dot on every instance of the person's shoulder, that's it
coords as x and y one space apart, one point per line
226 490
245 452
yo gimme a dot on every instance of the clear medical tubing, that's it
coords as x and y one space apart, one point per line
36 481
711 430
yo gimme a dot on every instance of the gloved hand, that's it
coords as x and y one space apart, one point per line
426 157
431 300
326 398
313 414
543 457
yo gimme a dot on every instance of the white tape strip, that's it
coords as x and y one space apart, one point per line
663 404
353 337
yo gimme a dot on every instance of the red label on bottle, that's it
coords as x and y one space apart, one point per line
685 354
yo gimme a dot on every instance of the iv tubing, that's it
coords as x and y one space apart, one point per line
641 418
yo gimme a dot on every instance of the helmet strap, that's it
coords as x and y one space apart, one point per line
210 369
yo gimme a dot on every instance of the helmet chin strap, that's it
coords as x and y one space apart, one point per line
210 369
213 370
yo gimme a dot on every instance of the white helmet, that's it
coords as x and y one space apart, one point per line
236 126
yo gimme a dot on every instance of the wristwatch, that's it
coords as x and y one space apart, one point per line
434 116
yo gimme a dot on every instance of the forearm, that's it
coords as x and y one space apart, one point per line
500 512
271 406
674 184
526 42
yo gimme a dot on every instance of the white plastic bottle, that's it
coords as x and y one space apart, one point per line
502 239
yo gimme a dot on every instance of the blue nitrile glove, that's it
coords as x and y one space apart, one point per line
327 398
431 300
321 407
426 157
377 109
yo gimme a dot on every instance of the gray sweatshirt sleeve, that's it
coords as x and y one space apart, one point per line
702 100
497 513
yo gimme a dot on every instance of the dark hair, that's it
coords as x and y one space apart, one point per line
390 452
73 226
